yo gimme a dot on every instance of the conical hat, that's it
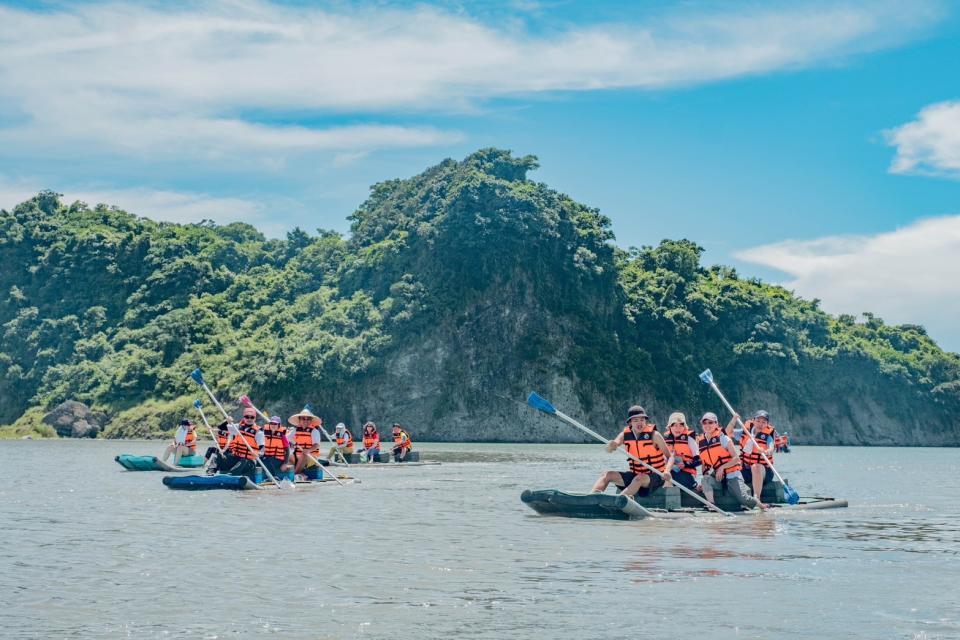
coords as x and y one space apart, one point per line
306 413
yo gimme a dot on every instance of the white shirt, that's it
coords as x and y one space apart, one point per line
180 437
726 442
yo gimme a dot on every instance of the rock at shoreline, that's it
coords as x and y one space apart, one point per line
72 419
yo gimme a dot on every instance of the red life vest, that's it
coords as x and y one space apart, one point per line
714 455
247 434
643 447
680 447
370 440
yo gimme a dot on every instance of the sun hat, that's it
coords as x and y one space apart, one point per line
709 415
306 413
634 411
675 417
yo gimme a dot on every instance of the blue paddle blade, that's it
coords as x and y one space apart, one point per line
791 496
538 402
706 377
197 376
197 404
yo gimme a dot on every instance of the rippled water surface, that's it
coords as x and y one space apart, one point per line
449 551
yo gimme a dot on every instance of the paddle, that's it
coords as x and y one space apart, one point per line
791 496
245 401
198 378
199 407
309 407
537 402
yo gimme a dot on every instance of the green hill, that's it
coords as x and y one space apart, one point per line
456 292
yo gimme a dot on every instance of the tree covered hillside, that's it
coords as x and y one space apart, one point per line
456 292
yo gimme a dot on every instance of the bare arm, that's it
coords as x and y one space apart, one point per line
612 445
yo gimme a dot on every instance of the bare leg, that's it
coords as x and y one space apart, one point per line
642 480
759 473
170 449
604 481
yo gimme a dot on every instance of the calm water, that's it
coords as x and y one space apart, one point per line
449 551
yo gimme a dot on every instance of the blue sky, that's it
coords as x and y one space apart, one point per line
817 146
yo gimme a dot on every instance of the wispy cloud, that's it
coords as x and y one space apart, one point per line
910 275
930 144
157 204
177 79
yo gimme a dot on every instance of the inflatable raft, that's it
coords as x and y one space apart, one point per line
617 507
236 483
153 463
550 502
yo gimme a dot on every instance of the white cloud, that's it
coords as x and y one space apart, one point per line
911 275
184 79
930 144
157 204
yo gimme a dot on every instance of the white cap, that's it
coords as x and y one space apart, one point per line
341 426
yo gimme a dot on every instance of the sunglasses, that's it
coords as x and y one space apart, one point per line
249 417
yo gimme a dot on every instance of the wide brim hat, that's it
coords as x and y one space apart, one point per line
636 411
675 417
306 413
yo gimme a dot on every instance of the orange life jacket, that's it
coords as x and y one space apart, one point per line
304 439
643 447
681 449
370 441
345 439
402 440
247 434
754 456
714 455
223 432
275 443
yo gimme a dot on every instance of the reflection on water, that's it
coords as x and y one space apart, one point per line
449 551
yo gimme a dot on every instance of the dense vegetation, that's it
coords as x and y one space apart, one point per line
470 274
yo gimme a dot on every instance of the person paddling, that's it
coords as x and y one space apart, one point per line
721 464
371 442
682 441
220 463
276 450
343 442
641 439
756 471
306 441
246 445
402 444
184 442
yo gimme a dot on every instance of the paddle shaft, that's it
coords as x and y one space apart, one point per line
256 456
305 452
216 442
726 403
596 435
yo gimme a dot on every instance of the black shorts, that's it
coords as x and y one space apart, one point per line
685 479
748 475
655 482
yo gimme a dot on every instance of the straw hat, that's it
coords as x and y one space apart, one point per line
306 413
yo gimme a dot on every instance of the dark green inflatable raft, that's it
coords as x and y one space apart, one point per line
153 463
583 505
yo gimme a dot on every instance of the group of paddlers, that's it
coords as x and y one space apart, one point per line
284 451
706 462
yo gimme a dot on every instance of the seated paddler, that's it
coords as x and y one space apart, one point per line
756 467
402 444
246 444
276 449
306 443
184 442
721 464
342 443
682 441
642 441
371 442
217 462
